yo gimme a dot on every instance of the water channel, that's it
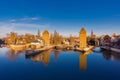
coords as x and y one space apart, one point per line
59 65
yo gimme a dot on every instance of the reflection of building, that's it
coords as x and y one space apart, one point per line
82 38
111 55
106 54
46 37
44 57
83 62
56 53
12 54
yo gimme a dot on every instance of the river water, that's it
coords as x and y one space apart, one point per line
59 65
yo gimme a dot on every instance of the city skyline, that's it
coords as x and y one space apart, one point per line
65 17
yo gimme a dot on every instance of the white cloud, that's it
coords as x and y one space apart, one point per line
12 20
24 19
29 25
4 30
20 28
29 18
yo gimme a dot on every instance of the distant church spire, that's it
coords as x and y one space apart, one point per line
38 34
91 33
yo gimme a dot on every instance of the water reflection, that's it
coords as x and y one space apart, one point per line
43 57
13 54
68 65
83 60
56 53
109 55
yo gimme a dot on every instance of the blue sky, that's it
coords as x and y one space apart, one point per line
65 16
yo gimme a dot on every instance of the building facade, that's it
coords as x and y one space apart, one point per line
46 38
82 38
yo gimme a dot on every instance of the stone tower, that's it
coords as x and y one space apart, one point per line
82 38
46 38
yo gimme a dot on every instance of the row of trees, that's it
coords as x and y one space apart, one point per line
14 38
55 39
58 39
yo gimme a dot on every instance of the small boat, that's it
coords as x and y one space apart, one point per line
33 52
96 49
115 50
105 48
36 51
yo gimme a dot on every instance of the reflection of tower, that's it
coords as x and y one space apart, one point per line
46 57
37 58
82 38
83 62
